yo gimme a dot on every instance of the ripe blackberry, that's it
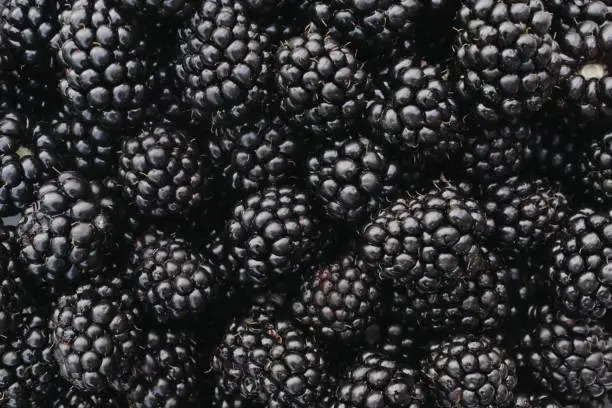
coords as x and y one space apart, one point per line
568 357
470 371
68 233
105 76
376 381
353 178
370 25
272 233
340 301
256 154
321 84
526 213
580 269
224 63
269 361
508 61
413 109
166 371
428 242
163 172
96 335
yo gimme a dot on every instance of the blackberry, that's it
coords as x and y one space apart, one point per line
508 61
96 335
526 214
165 371
376 381
413 109
371 25
428 242
580 267
566 356
340 301
595 168
272 233
105 75
470 371
321 84
163 172
256 154
270 361
68 233
224 63
353 178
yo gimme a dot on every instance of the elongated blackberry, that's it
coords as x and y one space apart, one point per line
469 371
321 84
508 61
353 178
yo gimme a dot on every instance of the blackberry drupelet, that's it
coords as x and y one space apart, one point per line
49 147
340 301
353 178
377 381
321 84
272 233
166 371
271 362
429 241
105 77
163 172
96 335
580 267
469 371
413 109
224 63
370 25
508 61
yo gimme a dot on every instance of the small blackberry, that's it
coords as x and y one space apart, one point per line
353 178
321 84
470 371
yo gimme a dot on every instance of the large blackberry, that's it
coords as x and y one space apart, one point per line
508 62
272 233
353 178
429 241
270 361
105 77
413 109
340 301
96 335
376 381
224 60
321 84
470 371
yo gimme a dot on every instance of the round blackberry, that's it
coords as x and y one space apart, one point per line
414 111
162 171
271 233
269 361
469 371
353 178
526 214
508 61
370 25
566 356
224 63
340 301
376 381
428 242
165 371
580 270
256 154
96 335
105 77
68 233
321 84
